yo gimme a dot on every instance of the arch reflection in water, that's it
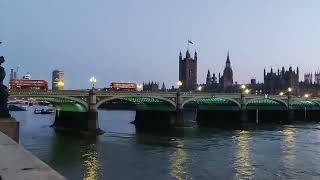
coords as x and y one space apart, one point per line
288 147
91 163
242 164
178 160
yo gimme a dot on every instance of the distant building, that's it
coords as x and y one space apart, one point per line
275 82
224 83
308 78
163 87
227 77
317 78
57 80
188 71
151 86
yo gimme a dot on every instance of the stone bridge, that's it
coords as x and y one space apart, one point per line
69 102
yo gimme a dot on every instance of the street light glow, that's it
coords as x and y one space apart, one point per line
306 95
199 88
243 86
281 93
93 79
60 83
247 91
179 83
289 89
140 87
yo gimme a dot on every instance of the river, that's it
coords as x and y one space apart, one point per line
258 152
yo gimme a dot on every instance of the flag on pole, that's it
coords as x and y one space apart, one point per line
190 42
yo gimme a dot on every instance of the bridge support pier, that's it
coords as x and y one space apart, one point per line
244 116
150 121
84 122
179 121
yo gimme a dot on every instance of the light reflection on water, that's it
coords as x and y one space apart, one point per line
178 162
243 167
288 147
91 163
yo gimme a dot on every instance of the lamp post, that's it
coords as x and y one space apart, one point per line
93 80
289 96
199 88
179 84
140 87
244 90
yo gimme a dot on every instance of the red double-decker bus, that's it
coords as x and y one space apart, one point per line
28 84
119 86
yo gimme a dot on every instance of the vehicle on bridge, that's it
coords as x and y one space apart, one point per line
28 84
119 86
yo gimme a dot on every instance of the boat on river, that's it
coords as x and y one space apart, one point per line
43 111
17 107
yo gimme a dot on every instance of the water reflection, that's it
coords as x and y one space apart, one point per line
288 147
91 163
243 167
178 162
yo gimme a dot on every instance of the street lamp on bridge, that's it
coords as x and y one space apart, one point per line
93 80
199 88
179 84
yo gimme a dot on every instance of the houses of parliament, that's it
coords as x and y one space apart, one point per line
275 81
188 75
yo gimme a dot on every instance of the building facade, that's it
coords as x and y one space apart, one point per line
150 86
227 77
308 78
57 80
188 71
275 82
223 83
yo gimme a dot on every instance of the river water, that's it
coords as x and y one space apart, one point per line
261 152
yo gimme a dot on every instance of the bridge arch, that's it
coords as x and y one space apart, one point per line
77 100
308 104
169 101
266 104
218 101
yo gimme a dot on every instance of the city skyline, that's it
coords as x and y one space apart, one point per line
128 46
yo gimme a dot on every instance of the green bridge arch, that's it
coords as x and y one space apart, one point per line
213 103
142 103
58 100
305 104
65 104
266 104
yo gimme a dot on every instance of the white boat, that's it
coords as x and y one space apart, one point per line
43 111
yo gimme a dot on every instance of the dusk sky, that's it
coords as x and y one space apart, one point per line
139 40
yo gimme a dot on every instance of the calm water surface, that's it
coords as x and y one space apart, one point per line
264 152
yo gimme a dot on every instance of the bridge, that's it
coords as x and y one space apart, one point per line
78 109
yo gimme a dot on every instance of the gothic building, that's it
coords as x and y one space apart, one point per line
150 86
224 83
227 77
274 82
308 78
188 71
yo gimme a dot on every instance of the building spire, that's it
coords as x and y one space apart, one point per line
187 54
228 58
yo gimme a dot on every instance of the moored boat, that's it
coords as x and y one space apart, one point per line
43 111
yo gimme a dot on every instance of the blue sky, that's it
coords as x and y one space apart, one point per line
140 40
